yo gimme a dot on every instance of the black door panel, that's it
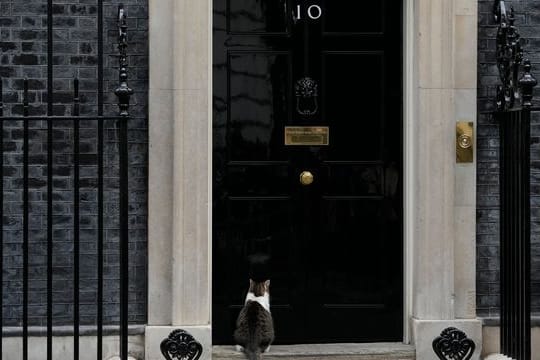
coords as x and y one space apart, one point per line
257 17
352 84
258 100
346 17
335 245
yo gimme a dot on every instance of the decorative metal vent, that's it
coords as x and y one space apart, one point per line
180 345
453 344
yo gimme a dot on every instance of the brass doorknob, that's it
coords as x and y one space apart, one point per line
306 178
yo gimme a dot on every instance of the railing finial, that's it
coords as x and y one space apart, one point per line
123 91
527 84
515 90
499 11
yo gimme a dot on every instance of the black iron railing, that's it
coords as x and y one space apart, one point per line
27 122
515 233
514 106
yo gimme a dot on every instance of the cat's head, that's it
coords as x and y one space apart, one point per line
259 288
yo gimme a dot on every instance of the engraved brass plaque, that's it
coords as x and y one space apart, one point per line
307 135
464 142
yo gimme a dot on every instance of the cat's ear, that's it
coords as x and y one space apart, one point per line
267 284
250 283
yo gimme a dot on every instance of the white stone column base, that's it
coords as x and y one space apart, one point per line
425 331
497 357
154 335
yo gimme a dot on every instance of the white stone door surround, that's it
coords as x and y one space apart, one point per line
440 195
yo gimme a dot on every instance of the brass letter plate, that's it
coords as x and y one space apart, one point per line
306 135
464 142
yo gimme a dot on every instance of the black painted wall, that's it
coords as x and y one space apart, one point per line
23 46
528 22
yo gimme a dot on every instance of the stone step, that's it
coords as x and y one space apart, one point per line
376 351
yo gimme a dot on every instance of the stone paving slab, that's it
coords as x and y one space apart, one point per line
377 351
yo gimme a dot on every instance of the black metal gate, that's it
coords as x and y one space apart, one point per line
26 122
514 106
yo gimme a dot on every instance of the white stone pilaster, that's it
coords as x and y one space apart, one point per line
465 93
179 175
444 192
161 162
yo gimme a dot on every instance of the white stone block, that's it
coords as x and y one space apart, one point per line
425 331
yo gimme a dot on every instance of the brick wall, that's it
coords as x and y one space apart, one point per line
23 46
528 22
23 54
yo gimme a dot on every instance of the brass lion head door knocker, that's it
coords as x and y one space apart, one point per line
307 94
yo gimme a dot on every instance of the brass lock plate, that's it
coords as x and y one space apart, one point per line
464 142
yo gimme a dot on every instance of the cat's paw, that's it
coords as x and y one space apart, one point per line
267 349
239 348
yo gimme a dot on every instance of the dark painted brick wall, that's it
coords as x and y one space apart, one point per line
528 22
23 53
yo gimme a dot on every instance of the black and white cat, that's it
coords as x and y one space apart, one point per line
255 328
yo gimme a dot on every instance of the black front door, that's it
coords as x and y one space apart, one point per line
331 70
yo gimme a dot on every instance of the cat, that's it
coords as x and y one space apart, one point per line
255 328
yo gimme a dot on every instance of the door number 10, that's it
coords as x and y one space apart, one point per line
314 12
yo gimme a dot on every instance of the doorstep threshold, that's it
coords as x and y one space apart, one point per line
371 351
